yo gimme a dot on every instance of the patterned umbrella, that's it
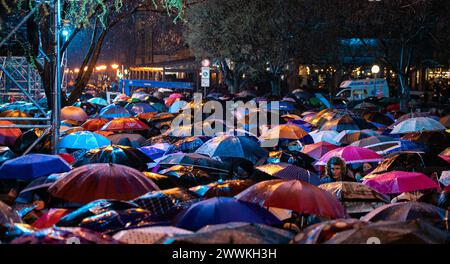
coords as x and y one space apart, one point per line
115 154
289 172
94 124
114 111
73 113
295 195
125 124
83 140
400 181
8 136
346 122
319 149
101 181
351 155
417 124
148 235
228 188
405 211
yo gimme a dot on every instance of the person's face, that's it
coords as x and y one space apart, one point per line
367 167
336 170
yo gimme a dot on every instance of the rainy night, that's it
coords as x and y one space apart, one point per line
224 130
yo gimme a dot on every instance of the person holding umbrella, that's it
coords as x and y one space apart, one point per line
336 170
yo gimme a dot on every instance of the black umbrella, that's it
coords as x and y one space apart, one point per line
28 138
115 154
292 157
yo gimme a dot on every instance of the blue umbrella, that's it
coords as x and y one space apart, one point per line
139 108
98 101
84 140
114 111
32 166
221 210
155 151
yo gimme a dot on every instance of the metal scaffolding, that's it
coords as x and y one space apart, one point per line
17 78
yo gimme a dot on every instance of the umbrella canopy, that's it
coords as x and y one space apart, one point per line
400 181
347 137
139 108
6 154
295 195
83 140
372 140
8 136
317 150
411 232
326 135
445 120
73 113
445 155
148 235
32 166
285 131
289 172
221 210
188 176
389 147
417 124
115 154
177 106
378 117
37 188
346 122
29 137
445 178
297 158
15 113
193 159
94 124
155 151
351 155
226 188
436 141
98 101
405 211
101 181
234 233
228 146
125 139
121 98
189 144
114 111
125 124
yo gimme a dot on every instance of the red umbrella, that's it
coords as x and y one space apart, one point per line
8 135
400 181
67 157
294 195
125 124
73 113
319 149
50 218
351 154
101 181
94 124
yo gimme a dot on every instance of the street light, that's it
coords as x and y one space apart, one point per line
375 70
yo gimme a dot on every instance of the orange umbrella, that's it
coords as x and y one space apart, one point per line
73 113
94 124
445 120
15 113
125 124
8 135
286 131
146 116
104 133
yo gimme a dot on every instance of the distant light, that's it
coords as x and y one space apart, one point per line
206 63
375 69
65 32
77 70
115 66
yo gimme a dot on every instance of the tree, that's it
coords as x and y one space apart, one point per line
251 38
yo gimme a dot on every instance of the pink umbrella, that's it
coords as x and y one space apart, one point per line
319 149
400 181
176 95
351 154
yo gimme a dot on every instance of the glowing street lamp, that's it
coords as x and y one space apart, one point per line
375 69
115 66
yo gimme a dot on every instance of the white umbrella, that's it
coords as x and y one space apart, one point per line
325 135
417 124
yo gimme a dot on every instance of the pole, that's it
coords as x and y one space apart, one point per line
57 85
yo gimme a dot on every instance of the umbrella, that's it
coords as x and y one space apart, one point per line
193 159
389 147
188 176
5 154
286 131
98 101
445 178
366 105
101 181
177 106
378 117
73 113
114 111
297 158
445 120
155 151
38 187
8 215
125 124
226 188
347 137
64 235
322 232
417 124
411 232
411 115
356 197
445 155
221 210
116 154
405 211
326 135
400 181
8 136
317 150
373 140
188 145
295 195
83 140
148 235
94 124
228 146
329 114
234 233
436 141
351 155
289 172
125 139
28 138
16 114
32 166
346 123
121 98
139 108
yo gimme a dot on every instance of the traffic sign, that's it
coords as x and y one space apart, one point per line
205 82
205 72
